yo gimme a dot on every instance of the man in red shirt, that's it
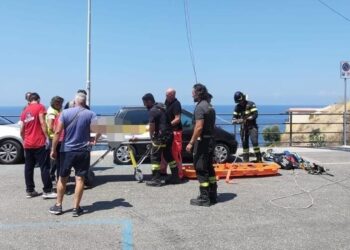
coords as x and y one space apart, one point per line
35 138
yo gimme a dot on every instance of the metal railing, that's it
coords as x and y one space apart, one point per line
292 131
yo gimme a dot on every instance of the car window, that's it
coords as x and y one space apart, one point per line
186 120
136 117
4 121
119 117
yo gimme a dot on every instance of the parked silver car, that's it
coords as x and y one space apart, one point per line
11 147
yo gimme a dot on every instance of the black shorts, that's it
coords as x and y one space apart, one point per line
79 160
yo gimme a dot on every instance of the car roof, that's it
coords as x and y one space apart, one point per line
144 108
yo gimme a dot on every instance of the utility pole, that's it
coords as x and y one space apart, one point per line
88 65
345 114
345 73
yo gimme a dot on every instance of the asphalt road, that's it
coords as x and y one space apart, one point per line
125 214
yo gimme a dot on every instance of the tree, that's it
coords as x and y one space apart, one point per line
272 135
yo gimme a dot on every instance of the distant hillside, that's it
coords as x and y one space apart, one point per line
330 130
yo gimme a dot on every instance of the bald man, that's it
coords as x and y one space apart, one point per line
173 112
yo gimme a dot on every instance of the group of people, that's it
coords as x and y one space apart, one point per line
165 133
57 140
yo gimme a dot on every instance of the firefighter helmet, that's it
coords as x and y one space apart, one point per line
239 97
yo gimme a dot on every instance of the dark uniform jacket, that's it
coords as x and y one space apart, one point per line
248 112
162 124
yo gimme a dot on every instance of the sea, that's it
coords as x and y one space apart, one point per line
269 115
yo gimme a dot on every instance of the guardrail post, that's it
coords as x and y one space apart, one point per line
344 129
290 129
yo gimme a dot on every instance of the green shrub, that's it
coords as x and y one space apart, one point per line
272 135
316 138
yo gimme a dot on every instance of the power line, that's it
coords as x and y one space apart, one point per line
189 38
333 10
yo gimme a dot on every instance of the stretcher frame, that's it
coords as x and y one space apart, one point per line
135 164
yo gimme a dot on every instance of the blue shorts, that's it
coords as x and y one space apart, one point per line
80 161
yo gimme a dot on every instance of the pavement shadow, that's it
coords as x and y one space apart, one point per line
224 197
70 188
97 169
103 179
106 205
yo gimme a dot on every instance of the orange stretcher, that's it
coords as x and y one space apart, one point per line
238 169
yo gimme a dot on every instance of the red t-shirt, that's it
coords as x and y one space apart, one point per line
34 136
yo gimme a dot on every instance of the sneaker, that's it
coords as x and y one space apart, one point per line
77 212
56 209
51 195
32 194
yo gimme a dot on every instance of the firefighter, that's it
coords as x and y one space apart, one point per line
173 111
202 146
161 135
246 114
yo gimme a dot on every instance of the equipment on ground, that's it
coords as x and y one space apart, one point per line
316 169
289 160
285 159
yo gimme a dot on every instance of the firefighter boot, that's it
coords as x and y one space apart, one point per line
155 181
174 178
258 157
213 192
202 199
246 157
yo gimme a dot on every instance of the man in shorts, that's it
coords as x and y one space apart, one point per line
75 150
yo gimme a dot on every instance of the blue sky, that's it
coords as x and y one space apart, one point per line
278 52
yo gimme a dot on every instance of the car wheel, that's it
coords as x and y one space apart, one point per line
122 156
221 153
11 152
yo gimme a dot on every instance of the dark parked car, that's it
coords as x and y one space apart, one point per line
226 143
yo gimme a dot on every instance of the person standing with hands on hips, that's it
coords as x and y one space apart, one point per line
202 146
